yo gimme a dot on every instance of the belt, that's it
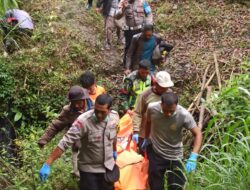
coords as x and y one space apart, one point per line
132 28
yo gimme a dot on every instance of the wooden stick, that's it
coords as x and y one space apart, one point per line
196 107
206 85
202 112
203 85
232 73
217 70
201 117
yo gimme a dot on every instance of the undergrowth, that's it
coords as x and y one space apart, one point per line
225 154
34 82
25 176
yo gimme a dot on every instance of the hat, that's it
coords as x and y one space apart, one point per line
163 79
77 93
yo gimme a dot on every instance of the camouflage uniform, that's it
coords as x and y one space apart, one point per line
133 87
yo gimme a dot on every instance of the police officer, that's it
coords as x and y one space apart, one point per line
96 131
79 103
137 13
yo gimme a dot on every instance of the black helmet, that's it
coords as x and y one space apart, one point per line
77 93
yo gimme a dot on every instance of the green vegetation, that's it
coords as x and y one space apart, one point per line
225 160
37 78
7 4
26 176
186 18
34 82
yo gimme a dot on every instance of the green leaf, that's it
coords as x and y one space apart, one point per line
244 90
18 116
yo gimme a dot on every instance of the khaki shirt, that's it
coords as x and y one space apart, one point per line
96 139
141 105
134 13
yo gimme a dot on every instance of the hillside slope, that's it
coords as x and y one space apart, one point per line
68 40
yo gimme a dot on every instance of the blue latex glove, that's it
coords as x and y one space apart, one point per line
145 143
115 155
191 162
44 172
135 138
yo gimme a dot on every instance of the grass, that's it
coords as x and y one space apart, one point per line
223 170
185 18
6 5
197 29
26 177
225 154
39 76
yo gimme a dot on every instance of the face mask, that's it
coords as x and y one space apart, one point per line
174 114
96 119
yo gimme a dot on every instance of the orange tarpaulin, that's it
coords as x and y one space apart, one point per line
125 128
133 167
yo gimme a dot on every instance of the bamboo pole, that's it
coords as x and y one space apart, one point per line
197 103
202 112
217 70
198 95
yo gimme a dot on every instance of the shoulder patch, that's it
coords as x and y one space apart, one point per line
78 124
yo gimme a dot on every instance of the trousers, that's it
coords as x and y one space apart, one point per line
94 181
90 2
158 166
110 25
128 38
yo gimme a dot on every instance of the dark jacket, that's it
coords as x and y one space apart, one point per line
106 6
62 122
135 51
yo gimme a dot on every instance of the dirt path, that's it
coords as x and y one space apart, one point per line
193 38
108 63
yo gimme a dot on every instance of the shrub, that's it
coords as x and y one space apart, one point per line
225 155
